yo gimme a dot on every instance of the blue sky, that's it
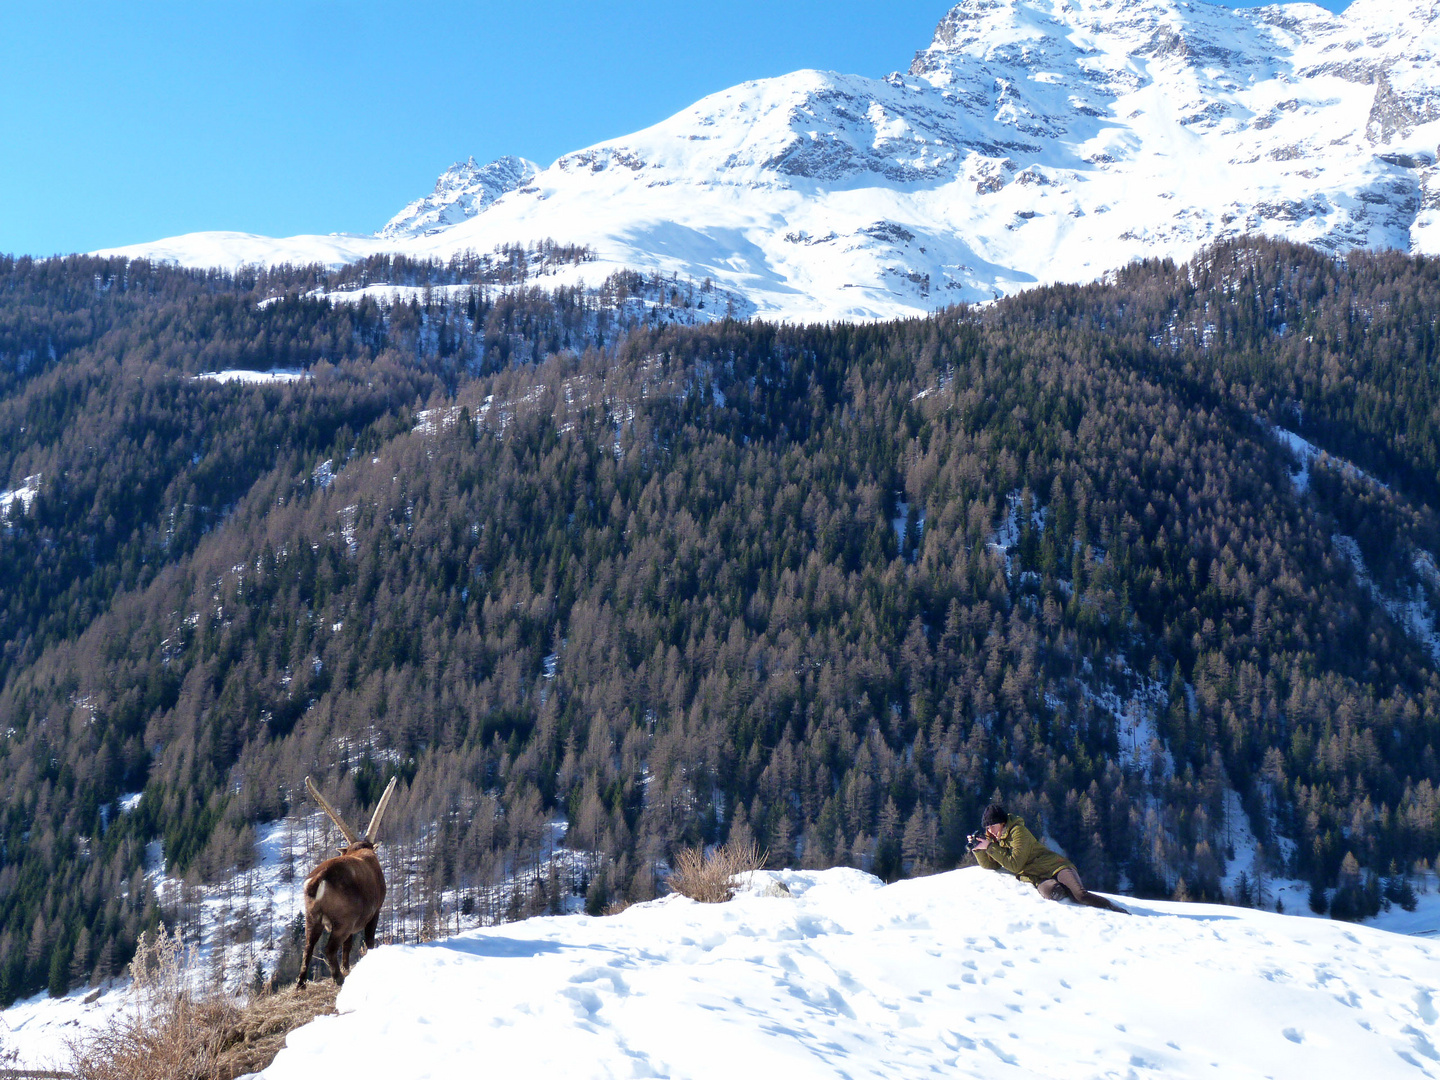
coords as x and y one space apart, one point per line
129 122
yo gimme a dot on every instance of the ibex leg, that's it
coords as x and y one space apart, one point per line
312 935
332 957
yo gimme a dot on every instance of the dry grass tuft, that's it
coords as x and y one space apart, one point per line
173 1032
257 1033
168 1033
710 878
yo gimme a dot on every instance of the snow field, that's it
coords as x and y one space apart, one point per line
966 973
41 1028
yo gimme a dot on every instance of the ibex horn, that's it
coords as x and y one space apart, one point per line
380 810
339 821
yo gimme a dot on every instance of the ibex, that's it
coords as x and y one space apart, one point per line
343 895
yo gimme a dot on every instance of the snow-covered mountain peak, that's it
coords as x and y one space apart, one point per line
1404 17
1031 141
1109 47
461 192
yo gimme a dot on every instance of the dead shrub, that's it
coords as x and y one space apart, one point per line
172 1031
710 878
169 1031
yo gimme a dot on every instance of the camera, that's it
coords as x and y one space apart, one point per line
973 840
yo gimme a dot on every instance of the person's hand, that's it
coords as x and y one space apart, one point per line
982 843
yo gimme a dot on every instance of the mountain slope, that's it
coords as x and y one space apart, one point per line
828 588
1031 141
966 973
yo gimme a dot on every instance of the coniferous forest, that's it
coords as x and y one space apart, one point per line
832 589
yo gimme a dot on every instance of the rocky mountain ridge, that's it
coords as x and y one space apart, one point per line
463 190
1031 141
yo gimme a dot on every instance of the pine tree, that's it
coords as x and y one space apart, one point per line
80 959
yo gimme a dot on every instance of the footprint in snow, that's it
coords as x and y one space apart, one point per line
1422 1044
955 1041
600 975
1425 1006
1008 1059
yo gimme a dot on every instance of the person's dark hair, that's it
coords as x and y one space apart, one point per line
994 815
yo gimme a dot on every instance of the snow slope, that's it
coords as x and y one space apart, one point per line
1031 141
966 973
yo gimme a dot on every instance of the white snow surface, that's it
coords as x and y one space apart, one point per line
241 375
462 191
41 1028
1307 453
963 974
1032 141
24 495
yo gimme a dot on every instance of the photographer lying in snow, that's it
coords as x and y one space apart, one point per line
1006 844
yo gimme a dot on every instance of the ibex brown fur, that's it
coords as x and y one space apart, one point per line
343 895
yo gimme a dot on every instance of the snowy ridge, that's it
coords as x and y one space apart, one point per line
967 973
828 972
462 191
1031 141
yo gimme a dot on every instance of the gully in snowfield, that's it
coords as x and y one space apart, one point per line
1006 844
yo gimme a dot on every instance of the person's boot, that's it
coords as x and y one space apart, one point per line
1104 904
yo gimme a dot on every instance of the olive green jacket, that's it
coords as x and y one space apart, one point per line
1018 851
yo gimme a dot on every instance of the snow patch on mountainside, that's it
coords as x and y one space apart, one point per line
1306 453
1410 606
24 495
644 299
41 1028
240 375
1411 610
966 973
1031 141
